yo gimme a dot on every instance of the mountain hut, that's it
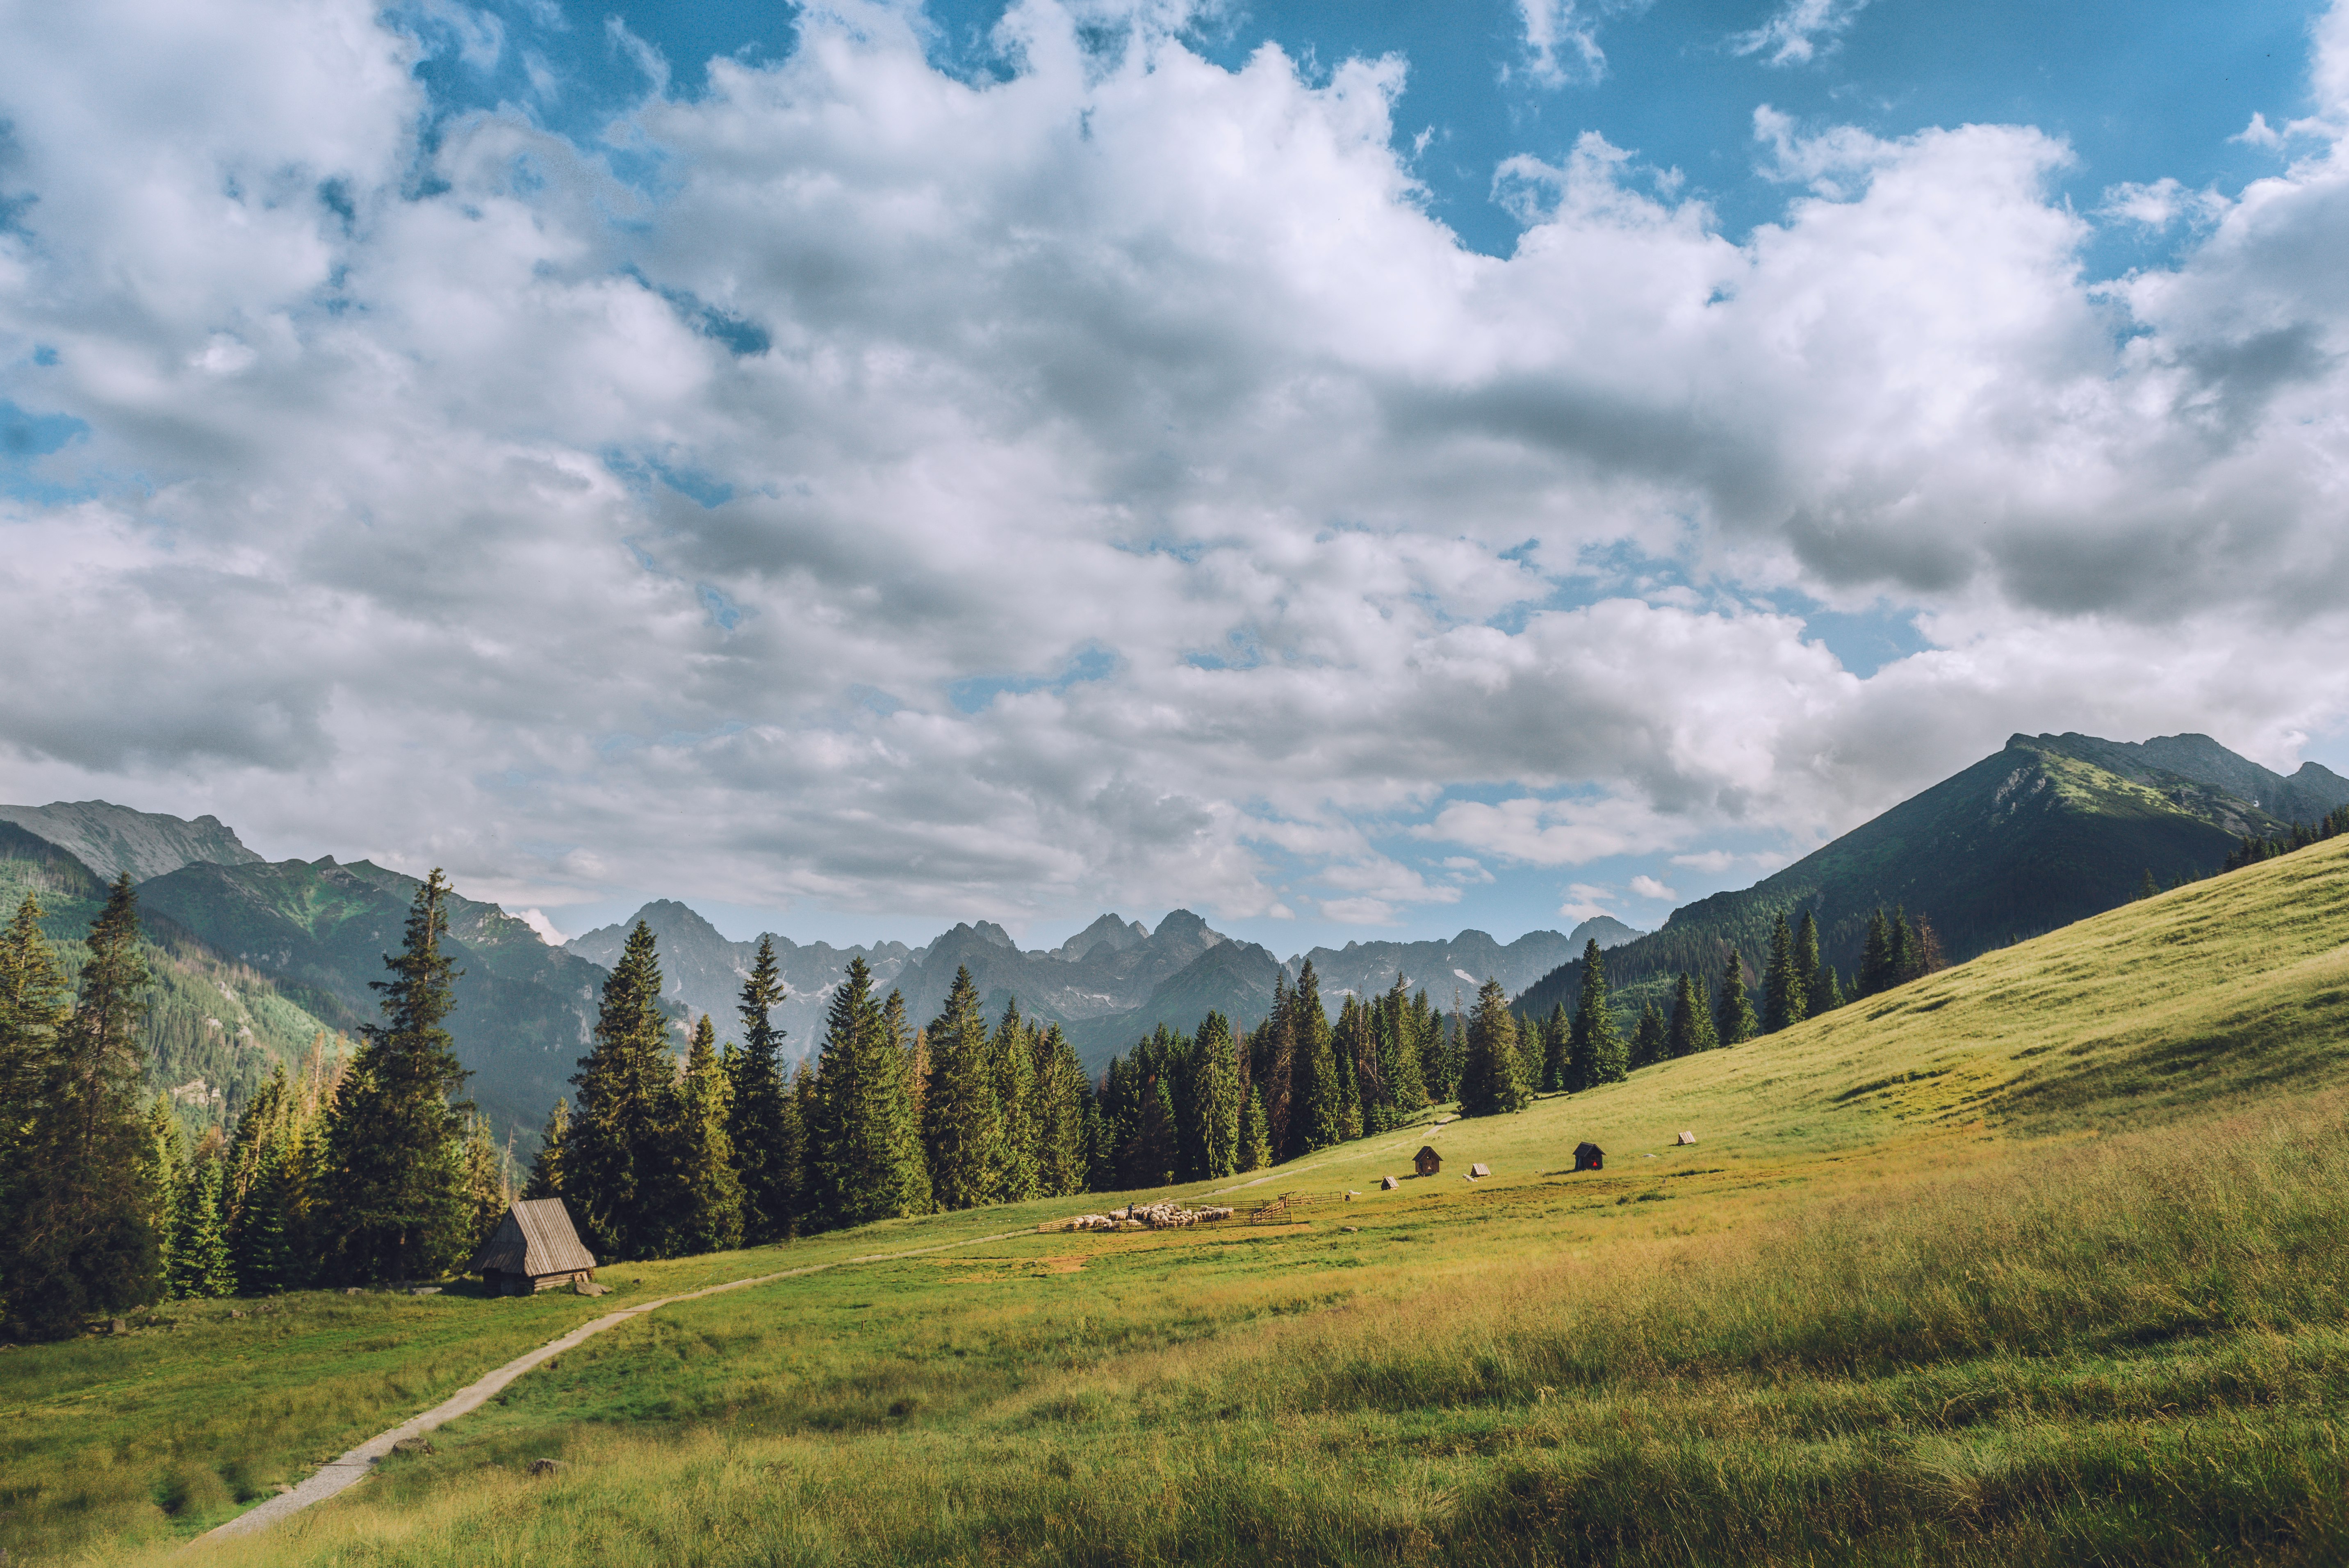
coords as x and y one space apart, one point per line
1589 1156
534 1249
1427 1162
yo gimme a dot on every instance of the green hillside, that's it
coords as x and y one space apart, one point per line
524 1009
2039 1260
2023 842
216 1027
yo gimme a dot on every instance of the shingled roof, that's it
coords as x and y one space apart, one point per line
535 1238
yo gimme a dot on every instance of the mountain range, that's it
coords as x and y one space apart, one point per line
2049 830
259 962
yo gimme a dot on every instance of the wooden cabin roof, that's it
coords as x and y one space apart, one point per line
535 1238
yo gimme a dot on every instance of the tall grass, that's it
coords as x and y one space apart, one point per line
2130 1352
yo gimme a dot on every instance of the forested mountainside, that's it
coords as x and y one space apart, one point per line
2049 830
524 1009
216 1028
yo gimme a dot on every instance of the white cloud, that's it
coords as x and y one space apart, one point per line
1584 902
1648 887
1108 472
1800 31
537 922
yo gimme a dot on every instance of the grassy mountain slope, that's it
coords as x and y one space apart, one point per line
112 839
2024 841
2040 1260
524 1009
216 1028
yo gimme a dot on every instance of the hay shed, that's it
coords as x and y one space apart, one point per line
534 1249
1427 1162
1388 1184
1589 1156
1479 1171
1687 1138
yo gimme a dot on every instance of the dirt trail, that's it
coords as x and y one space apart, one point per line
353 1467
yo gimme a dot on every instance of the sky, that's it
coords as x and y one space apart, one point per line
1354 470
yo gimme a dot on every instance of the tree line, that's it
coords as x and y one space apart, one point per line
2255 848
354 1173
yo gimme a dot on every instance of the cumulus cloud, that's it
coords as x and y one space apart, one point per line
1105 485
1648 887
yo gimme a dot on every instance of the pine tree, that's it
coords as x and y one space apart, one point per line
1347 1045
1321 1120
1807 965
396 1175
200 1267
1680 1039
32 1014
264 1254
1651 1039
1218 1098
626 1082
864 1159
1063 1097
1557 1040
1256 1134
1901 963
2147 886
1400 1064
1494 1081
1733 1023
1277 1070
1876 972
1827 985
1012 1060
546 1164
702 1200
1783 990
1595 1050
758 1106
81 1237
963 1131
1150 1151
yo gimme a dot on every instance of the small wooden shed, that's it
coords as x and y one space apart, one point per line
534 1249
1589 1156
1427 1162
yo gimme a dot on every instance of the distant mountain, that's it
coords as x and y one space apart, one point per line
2048 831
1464 963
320 930
703 971
1605 929
215 1029
111 839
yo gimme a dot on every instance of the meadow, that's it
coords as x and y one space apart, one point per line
2041 1259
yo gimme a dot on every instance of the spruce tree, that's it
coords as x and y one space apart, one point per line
1011 1058
546 1165
1827 985
2147 886
702 1203
962 1134
1558 1038
1807 965
1595 1051
758 1104
396 1180
1493 1080
1782 988
1650 1040
1347 1044
1218 1098
1150 1152
1062 1097
864 1153
1733 1023
1320 1119
1900 966
613 1148
263 1255
82 1236
200 1266
1876 956
1682 1038
1256 1134
32 1013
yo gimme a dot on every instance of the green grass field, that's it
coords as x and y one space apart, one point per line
2040 1260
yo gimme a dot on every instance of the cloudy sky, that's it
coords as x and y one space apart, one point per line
1350 468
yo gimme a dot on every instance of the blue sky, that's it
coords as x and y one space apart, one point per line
1485 464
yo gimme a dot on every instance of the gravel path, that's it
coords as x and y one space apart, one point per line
353 1467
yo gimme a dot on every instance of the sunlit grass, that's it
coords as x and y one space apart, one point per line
2039 1260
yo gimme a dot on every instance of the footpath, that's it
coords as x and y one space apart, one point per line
350 1469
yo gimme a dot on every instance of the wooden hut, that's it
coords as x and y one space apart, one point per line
534 1249
1589 1156
1479 1171
1427 1162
